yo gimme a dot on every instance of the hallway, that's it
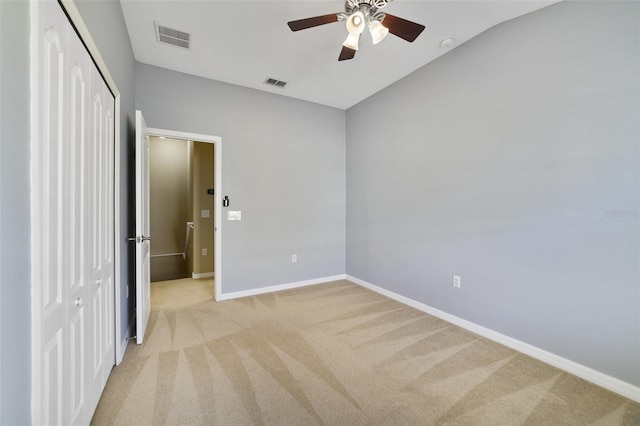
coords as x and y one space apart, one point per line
175 294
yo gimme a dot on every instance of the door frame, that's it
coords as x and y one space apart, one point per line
217 196
81 28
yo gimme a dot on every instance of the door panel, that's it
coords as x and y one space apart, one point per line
51 337
143 242
52 389
77 375
74 229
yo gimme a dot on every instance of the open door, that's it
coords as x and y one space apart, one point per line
143 245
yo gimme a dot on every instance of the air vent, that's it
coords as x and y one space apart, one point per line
171 36
274 82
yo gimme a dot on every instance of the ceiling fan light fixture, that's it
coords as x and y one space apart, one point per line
378 31
355 23
352 41
357 15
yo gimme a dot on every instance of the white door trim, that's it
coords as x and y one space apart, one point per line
217 149
75 17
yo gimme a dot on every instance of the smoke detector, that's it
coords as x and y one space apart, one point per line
447 42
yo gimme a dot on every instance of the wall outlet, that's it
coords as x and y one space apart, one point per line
204 251
456 281
294 258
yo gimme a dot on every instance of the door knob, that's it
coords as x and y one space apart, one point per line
139 239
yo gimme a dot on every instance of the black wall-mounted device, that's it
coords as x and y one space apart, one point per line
225 201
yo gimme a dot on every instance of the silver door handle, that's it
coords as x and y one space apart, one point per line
139 239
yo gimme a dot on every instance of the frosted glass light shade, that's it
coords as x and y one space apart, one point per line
355 23
352 41
378 31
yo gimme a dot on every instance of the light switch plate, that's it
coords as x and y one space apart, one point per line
234 215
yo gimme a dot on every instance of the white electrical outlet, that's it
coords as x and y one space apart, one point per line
294 258
456 281
204 251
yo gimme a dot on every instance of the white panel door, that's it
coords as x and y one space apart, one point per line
72 222
101 249
50 303
143 239
76 206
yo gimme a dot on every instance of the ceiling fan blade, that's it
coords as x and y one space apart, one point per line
346 54
303 24
402 28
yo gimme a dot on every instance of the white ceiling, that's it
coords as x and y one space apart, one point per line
244 42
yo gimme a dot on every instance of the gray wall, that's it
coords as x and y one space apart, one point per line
203 166
15 283
513 162
106 25
168 206
283 166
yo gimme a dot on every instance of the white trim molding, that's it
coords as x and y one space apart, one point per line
279 287
203 275
596 377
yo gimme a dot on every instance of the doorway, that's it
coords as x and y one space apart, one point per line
181 208
185 201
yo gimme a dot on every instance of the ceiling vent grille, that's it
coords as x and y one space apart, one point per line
172 36
274 82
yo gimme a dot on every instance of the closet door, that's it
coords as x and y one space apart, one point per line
51 305
101 271
72 223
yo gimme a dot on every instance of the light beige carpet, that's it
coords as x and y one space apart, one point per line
333 354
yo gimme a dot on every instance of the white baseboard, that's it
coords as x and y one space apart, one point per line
203 275
280 287
611 383
125 341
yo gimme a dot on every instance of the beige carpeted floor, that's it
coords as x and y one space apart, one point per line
334 354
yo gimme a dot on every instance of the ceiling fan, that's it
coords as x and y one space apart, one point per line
360 14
